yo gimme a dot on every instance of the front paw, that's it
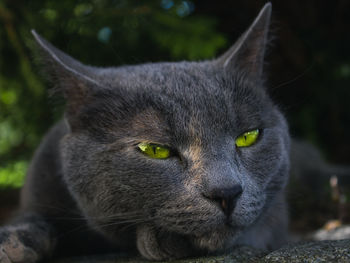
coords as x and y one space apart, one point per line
155 245
13 250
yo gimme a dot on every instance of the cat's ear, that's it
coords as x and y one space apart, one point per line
73 79
247 54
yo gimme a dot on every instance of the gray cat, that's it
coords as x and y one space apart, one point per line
170 159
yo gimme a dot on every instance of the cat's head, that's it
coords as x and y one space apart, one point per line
193 148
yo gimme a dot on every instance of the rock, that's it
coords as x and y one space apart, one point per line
342 232
240 254
310 252
318 251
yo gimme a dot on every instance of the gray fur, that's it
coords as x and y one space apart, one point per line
88 174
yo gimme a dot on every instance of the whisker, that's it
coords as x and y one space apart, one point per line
64 209
111 217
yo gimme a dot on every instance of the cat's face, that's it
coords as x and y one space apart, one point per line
196 111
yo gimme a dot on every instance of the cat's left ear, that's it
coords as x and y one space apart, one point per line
247 54
74 80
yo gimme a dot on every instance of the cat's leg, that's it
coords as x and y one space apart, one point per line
155 245
27 239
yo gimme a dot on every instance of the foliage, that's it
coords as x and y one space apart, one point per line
13 174
122 32
308 69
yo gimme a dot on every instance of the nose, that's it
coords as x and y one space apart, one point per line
226 198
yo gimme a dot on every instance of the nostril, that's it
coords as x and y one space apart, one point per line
225 197
224 204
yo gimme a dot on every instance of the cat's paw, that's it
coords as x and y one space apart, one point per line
13 249
161 246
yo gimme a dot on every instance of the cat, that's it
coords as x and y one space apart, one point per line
168 159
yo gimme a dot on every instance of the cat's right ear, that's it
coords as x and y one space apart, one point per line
70 77
247 54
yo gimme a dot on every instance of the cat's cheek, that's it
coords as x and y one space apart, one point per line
249 207
262 161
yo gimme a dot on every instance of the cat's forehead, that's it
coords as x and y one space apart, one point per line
162 75
194 83
189 96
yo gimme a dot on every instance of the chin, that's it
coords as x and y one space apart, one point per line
218 240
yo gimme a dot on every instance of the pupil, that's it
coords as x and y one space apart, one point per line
154 149
245 137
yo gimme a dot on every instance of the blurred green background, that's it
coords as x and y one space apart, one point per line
308 62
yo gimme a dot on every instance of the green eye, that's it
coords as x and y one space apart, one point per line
155 151
247 138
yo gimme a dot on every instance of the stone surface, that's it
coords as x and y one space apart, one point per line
241 254
318 251
342 232
310 252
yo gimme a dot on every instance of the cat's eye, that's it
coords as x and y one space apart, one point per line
153 150
247 139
